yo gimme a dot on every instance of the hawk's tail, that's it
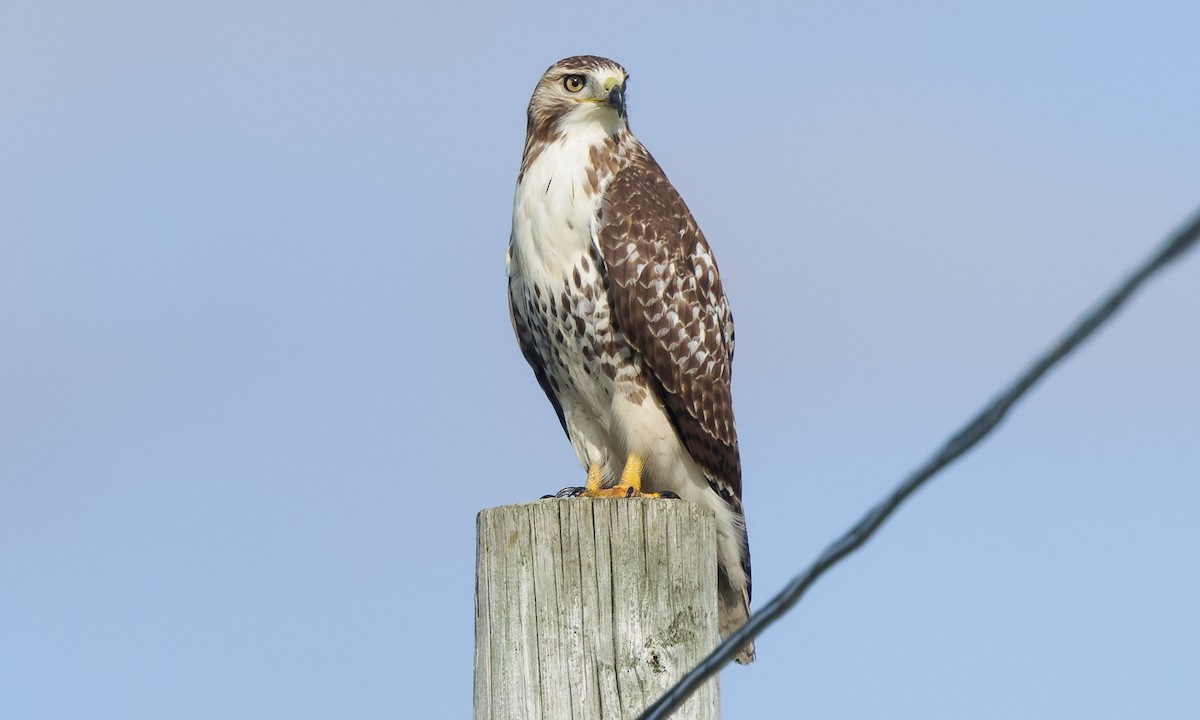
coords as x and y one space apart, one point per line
733 603
733 609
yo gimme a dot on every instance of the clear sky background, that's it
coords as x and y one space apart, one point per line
257 374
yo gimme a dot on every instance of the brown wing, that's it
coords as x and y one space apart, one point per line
667 299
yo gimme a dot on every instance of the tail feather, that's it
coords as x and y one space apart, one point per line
733 609
733 603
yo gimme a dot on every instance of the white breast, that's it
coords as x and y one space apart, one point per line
553 209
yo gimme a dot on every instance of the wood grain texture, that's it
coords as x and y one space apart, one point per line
589 609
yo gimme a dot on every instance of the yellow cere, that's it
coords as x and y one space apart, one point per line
609 84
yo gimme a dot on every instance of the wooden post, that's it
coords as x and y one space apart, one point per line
589 609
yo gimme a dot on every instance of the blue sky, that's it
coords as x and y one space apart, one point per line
257 374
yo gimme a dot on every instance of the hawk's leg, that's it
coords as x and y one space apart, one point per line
630 484
593 486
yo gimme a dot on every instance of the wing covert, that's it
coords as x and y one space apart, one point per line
667 300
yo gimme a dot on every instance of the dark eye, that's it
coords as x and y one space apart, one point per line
574 83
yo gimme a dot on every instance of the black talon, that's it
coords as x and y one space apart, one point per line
669 495
629 492
567 492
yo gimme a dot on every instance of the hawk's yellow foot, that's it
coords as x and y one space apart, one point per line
593 485
629 486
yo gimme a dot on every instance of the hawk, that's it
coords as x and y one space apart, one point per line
618 308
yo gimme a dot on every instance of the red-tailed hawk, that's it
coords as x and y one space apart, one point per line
618 307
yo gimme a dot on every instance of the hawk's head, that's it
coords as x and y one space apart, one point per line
583 89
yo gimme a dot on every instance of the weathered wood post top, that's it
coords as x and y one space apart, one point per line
589 609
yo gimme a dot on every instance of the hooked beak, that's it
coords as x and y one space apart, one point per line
616 99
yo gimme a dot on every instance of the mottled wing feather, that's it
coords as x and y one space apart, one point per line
667 300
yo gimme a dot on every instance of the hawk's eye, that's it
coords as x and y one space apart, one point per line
574 83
